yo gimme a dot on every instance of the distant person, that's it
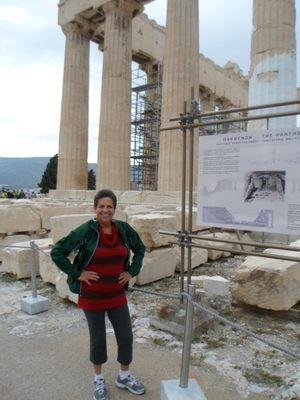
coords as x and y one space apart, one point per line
10 194
100 274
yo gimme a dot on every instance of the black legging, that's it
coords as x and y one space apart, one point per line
120 319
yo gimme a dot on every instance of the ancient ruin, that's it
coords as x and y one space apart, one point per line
217 86
273 70
169 57
180 74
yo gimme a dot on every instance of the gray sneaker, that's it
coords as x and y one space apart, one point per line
130 383
100 391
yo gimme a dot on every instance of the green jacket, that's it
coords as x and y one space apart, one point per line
84 240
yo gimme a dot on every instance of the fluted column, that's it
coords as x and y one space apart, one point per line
114 133
73 137
180 73
273 76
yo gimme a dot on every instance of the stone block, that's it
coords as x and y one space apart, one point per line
34 305
199 256
5 201
154 197
48 270
268 237
10 240
62 225
296 243
170 390
130 197
167 326
216 286
16 218
136 209
244 237
195 226
71 194
268 283
196 280
18 261
63 288
51 210
148 225
215 254
157 264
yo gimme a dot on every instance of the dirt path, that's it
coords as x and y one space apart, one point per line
55 366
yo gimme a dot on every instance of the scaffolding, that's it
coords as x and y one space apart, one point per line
146 99
145 126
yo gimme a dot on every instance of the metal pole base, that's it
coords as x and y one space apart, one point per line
170 390
34 305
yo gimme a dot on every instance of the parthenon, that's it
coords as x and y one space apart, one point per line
124 34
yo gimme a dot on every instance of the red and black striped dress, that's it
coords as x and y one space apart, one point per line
108 261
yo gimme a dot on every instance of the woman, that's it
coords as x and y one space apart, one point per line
99 274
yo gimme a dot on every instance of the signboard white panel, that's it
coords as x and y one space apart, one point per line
250 181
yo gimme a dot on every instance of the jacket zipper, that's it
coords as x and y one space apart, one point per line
77 246
90 257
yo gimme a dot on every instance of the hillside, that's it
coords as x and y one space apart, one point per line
24 173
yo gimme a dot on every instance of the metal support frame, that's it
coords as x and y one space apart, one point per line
145 125
184 237
240 119
187 123
187 341
33 268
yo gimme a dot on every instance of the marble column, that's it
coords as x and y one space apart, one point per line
115 117
273 71
73 137
180 73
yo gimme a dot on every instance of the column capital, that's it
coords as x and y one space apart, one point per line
132 7
81 26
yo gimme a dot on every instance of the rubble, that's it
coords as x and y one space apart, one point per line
230 352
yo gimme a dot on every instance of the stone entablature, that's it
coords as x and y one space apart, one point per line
148 39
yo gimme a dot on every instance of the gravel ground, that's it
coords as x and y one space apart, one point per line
245 367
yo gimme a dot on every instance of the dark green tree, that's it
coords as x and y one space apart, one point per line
91 180
49 176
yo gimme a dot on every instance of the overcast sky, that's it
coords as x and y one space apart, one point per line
31 66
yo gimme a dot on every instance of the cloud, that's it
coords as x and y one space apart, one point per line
30 106
217 41
14 14
29 31
32 57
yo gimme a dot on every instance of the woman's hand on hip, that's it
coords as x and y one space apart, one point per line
124 277
87 276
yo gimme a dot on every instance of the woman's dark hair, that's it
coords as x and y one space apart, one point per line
105 193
